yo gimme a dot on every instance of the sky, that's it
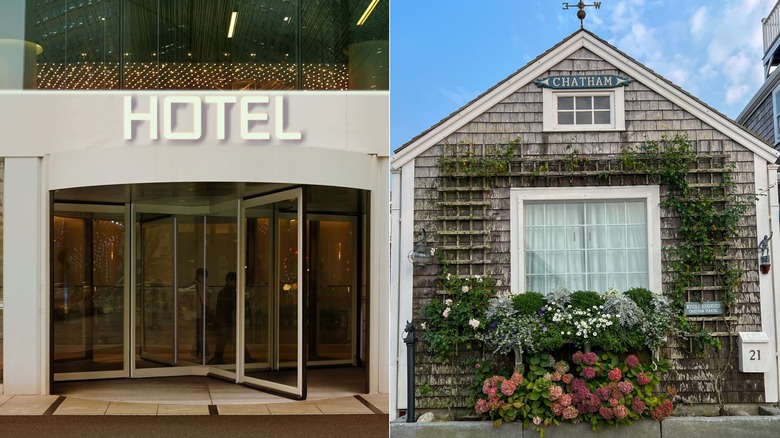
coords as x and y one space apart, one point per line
444 53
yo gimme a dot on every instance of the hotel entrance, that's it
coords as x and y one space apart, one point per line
185 279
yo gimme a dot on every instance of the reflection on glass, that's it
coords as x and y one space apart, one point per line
187 44
88 306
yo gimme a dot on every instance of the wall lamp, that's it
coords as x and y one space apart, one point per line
421 254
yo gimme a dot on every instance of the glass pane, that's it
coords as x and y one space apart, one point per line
556 238
288 283
574 238
601 118
597 261
566 103
334 285
88 293
616 260
222 237
258 287
576 262
534 238
597 236
155 295
565 118
534 214
615 213
636 260
555 214
194 289
598 282
584 103
205 44
535 283
576 282
601 102
575 214
595 213
584 118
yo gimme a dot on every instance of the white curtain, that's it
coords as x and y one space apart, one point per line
585 245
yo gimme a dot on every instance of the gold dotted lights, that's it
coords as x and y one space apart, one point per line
190 76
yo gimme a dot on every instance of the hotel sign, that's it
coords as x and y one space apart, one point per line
706 308
582 81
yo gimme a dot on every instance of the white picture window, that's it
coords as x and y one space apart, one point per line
585 239
587 110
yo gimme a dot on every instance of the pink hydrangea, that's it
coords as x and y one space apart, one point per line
625 387
556 376
537 420
638 406
603 393
508 387
557 409
482 406
589 372
565 400
591 403
567 378
662 411
615 375
517 378
570 413
620 412
555 392
562 366
577 384
632 361
606 413
642 379
613 402
590 358
577 358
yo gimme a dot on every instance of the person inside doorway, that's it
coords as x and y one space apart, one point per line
226 319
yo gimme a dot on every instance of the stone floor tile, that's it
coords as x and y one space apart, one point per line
294 408
233 409
342 405
76 406
125 408
27 404
166 409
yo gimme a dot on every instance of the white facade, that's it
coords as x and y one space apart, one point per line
76 139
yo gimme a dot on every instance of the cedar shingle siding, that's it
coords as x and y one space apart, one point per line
648 116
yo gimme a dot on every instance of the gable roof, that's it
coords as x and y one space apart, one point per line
549 59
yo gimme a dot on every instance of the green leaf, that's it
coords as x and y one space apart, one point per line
497 423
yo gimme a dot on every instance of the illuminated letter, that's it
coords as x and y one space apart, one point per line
279 120
220 101
168 103
246 117
150 117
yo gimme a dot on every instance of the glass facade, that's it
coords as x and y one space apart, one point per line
208 44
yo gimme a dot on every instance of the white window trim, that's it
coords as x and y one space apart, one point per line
651 195
550 109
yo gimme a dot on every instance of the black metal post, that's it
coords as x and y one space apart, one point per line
409 340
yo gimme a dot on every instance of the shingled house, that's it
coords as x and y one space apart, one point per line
494 184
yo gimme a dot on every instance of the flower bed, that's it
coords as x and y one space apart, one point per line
595 389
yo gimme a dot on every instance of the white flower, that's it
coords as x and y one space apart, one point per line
433 251
448 302
446 312
423 325
448 277
474 323
464 289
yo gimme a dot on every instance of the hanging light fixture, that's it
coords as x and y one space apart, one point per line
367 12
421 254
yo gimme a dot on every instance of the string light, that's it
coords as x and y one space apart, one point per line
190 76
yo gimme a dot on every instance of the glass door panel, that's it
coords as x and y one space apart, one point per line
273 295
88 292
193 291
156 298
333 301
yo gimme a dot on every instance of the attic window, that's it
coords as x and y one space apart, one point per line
584 110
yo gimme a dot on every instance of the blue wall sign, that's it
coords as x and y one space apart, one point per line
582 81
706 308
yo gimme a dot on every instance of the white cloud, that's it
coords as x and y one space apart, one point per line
736 93
699 21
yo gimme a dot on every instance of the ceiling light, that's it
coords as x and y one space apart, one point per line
232 27
368 11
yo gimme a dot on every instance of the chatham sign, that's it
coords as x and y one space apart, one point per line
582 81
183 119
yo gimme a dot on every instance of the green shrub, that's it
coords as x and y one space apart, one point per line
584 300
642 297
528 303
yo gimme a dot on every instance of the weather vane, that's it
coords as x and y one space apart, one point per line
581 13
